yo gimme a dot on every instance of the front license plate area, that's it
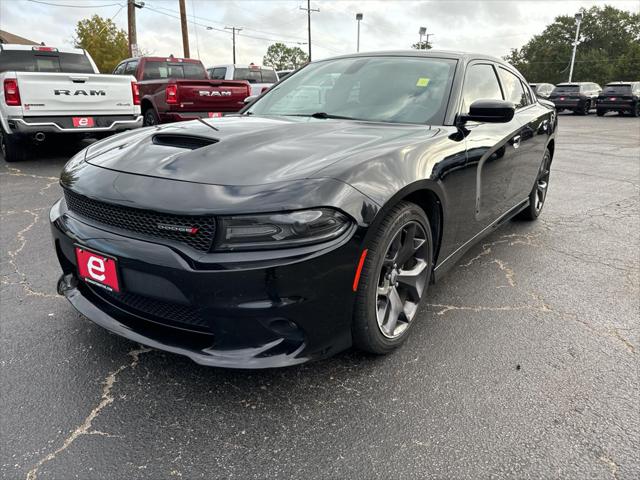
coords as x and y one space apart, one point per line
98 269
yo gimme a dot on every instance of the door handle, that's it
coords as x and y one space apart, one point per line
516 141
75 79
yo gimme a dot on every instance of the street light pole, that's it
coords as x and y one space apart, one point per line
578 17
358 18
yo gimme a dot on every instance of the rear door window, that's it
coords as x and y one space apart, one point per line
481 83
35 61
131 68
154 70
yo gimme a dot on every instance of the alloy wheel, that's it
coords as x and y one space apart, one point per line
149 119
402 279
542 185
587 107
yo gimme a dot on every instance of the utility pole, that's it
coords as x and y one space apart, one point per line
133 37
309 10
358 19
578 16
234 30
185 31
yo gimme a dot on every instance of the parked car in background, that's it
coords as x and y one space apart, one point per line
282 74
307 223
542 90
580 97
48 91
621 97
260 78
175 89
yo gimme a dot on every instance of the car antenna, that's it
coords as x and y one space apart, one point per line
207 124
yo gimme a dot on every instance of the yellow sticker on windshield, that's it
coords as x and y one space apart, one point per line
422 82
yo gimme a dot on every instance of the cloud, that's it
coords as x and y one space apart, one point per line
492 27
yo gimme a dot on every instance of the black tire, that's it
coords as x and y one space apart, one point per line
366 331
636 111
621 113
585 109
534 209
600 112
12 147
150 117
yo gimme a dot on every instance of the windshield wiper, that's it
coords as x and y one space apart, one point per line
321 115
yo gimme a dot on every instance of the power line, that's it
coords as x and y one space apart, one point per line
76 6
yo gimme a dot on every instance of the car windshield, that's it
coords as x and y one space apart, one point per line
619 89
567 89
381 89
255 75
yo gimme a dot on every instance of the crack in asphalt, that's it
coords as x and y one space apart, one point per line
85 427
613 466
12 255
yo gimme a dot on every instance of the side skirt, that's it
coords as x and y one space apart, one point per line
452 259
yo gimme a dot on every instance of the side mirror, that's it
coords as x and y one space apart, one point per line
489 111
250 99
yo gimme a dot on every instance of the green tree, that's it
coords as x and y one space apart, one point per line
281 57
106 43
424 45
608 48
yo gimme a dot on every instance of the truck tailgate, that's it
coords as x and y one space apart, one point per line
212 95
54 94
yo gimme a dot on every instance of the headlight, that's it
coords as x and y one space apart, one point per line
281 230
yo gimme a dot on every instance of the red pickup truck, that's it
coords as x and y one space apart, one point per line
175 89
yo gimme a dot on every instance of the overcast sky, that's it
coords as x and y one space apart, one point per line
492 27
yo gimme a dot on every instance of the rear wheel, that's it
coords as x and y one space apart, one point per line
396 272
585 109
636 111
600 112
12 146
538 195
150 117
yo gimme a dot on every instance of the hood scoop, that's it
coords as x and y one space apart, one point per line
188 142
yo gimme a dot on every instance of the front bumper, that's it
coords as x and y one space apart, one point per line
253 314
116 123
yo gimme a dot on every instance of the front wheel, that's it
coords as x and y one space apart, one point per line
538 195
394 278
12 146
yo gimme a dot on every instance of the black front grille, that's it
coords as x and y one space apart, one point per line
146 222
168 313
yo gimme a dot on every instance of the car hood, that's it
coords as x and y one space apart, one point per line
247 150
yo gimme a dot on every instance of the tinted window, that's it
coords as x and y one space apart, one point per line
119 69
480 83
513 91
131 68
619 89
384 89
567 89
154 70
255 75
218 73
33 61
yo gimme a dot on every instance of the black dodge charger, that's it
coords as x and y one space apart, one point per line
311 221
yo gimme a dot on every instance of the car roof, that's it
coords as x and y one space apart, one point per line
163 59
620 83
14 46
425 53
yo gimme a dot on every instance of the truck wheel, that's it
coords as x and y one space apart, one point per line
150 118
11 146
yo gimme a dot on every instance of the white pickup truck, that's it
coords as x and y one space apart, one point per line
259 78
46 91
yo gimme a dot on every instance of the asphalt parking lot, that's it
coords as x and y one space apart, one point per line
524 363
